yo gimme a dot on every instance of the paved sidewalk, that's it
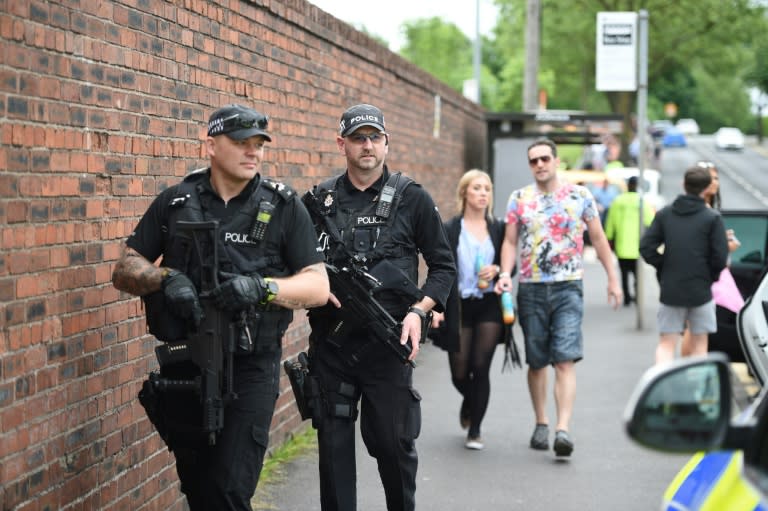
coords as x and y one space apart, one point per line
606 468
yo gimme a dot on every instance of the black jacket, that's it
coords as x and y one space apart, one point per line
446 336
695 250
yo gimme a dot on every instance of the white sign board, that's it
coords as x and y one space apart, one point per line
616 60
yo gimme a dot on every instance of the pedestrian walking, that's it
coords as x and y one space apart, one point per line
472 325
264 274
548 219
622 228
380 221
695 252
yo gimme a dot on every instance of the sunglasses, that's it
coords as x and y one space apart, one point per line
544 159
238 121
360 138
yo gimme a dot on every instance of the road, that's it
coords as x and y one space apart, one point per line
743 175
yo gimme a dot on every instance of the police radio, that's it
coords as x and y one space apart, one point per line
387 196
261 221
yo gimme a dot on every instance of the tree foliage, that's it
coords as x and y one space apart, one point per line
702 55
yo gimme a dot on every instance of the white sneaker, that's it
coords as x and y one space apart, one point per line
476 444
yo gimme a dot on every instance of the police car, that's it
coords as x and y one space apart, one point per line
698 404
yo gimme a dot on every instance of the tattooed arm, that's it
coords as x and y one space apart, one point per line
136 275
307 288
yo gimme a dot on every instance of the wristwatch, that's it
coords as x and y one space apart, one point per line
271 287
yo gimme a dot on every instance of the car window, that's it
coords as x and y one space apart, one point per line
748 261
751 232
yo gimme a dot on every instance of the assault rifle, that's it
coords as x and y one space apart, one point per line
355 289
202 363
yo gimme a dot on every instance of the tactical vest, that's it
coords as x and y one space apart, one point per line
379 241
244 246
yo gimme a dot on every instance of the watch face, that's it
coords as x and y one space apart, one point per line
273 288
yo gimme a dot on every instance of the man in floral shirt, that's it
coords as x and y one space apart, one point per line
548 218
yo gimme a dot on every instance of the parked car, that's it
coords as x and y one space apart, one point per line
651 187
747 263
729 139
659 127
688 126
696 404
673 137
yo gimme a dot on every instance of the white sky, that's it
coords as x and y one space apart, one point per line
384 19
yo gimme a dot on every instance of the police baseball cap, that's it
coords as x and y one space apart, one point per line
238 122
358 116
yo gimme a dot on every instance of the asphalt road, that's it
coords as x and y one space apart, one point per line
606 471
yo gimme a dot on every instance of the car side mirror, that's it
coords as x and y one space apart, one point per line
682 406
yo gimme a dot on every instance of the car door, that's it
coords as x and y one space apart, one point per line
747 264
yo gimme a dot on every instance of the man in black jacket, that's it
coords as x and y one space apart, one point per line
695 251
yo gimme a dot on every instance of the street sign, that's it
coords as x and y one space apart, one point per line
616 58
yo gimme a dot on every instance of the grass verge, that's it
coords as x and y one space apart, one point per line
297 445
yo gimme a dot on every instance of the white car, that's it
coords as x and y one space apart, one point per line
729 138
651 188
688 126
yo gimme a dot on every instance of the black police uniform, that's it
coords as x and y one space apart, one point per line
390 409
224 476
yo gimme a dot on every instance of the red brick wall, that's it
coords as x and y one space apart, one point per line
103 104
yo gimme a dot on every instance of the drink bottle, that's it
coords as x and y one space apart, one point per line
507 308
481 283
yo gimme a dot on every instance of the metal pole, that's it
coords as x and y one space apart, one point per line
531 78
642 117
476 52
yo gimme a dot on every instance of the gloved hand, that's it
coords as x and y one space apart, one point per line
181 297
238 292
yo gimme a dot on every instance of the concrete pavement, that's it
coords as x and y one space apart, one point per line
606 471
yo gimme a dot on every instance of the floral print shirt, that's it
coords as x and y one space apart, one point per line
551 231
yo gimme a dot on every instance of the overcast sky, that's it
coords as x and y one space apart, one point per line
385 17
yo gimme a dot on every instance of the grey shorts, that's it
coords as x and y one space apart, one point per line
701 319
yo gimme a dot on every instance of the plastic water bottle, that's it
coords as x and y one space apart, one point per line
507 308
481 283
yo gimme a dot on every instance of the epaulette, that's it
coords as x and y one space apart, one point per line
285 191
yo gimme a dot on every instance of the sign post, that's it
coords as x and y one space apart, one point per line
622 65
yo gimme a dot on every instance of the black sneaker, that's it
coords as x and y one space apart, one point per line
540 438
563 443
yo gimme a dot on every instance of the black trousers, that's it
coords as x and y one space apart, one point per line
223 477
628 267
390 422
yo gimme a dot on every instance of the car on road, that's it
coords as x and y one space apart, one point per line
673 137
659 127
729 139
688 126
698 405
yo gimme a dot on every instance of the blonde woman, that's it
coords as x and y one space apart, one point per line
471 327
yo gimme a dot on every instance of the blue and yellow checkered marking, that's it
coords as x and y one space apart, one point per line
712 482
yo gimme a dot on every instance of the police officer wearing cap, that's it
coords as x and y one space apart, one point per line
381 220
269 263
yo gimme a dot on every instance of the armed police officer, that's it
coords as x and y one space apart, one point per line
379 221
259 241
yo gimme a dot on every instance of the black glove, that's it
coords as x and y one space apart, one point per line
181 297
238 292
